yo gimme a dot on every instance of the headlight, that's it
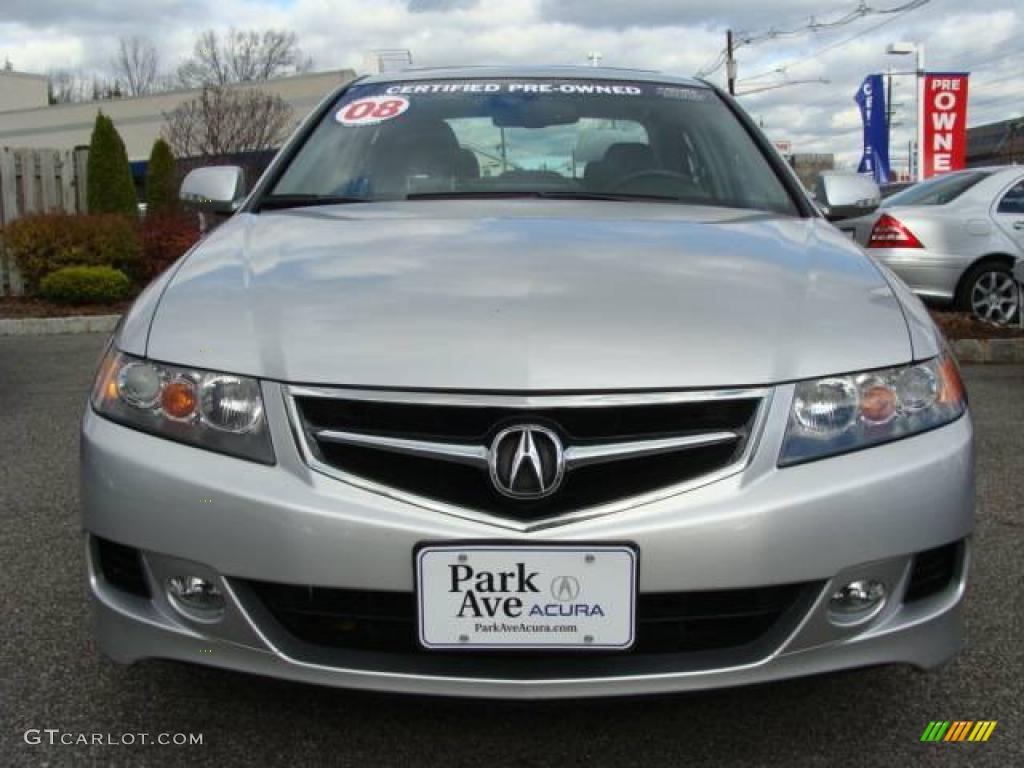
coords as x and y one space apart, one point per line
218 411
838 414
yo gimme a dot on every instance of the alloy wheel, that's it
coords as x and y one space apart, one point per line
994 297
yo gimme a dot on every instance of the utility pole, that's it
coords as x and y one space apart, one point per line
730 63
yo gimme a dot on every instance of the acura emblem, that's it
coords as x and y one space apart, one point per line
565 589
526 462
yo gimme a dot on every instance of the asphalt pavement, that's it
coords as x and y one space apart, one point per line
51 676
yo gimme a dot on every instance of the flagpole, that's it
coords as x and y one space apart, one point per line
920 111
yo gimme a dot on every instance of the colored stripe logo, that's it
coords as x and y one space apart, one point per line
958 730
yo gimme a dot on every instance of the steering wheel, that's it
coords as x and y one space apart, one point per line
651 173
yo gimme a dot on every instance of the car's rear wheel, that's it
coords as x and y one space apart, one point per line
991 293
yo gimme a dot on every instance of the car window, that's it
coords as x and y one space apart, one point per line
1013 201
474 138
937 191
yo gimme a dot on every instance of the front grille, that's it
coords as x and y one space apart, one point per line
933 571
474 421
121 566
667 623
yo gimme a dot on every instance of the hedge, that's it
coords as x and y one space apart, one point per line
110 188
161 196
163 238
86 285
46 242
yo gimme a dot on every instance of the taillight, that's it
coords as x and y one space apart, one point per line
890 232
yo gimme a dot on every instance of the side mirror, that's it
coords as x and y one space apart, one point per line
843 195
217 189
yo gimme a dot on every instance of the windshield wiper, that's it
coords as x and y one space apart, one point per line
613 196
473 195
276 202
552 195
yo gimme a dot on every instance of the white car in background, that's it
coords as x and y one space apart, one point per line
954 238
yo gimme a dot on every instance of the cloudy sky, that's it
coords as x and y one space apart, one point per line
677 36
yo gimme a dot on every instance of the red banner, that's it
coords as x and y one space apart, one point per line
945 123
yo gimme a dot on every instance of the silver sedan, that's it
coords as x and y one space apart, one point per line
954 238
611 411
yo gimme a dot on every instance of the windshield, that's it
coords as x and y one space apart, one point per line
558 138
937 191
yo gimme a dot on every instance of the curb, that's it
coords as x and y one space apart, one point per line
988 350
43 326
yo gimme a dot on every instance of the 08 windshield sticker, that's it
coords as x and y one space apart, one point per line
372 110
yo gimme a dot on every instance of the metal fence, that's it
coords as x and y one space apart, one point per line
37 181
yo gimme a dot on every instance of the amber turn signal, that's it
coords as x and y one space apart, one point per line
178 399
878 401
951 386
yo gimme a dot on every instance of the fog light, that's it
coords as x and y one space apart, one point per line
857 601
195 597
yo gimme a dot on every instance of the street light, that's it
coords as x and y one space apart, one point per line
904 49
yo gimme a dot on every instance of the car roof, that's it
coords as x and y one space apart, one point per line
532 72
985 169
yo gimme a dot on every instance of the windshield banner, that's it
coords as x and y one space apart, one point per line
871 100
536 87
945 122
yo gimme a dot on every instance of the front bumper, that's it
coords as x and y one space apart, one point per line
862 515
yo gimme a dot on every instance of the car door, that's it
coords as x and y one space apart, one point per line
1009 214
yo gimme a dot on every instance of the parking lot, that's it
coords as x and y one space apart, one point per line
52 677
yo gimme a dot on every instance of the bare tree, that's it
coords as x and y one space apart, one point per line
135 65
242 56
223 120
65 86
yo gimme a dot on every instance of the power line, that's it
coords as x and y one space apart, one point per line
785 84
743 39
1003 56
793 63
987 83
993 100
862 10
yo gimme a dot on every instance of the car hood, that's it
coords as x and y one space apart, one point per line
527 295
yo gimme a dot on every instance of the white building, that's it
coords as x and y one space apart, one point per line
19 90
26 119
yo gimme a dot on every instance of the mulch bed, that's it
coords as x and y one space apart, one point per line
23 306
961 325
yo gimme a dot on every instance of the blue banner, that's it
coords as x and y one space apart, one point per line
871 100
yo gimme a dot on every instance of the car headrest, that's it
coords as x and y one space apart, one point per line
466 164
630 156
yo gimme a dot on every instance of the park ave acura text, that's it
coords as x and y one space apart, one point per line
526 382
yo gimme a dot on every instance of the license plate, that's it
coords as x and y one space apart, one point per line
517 597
